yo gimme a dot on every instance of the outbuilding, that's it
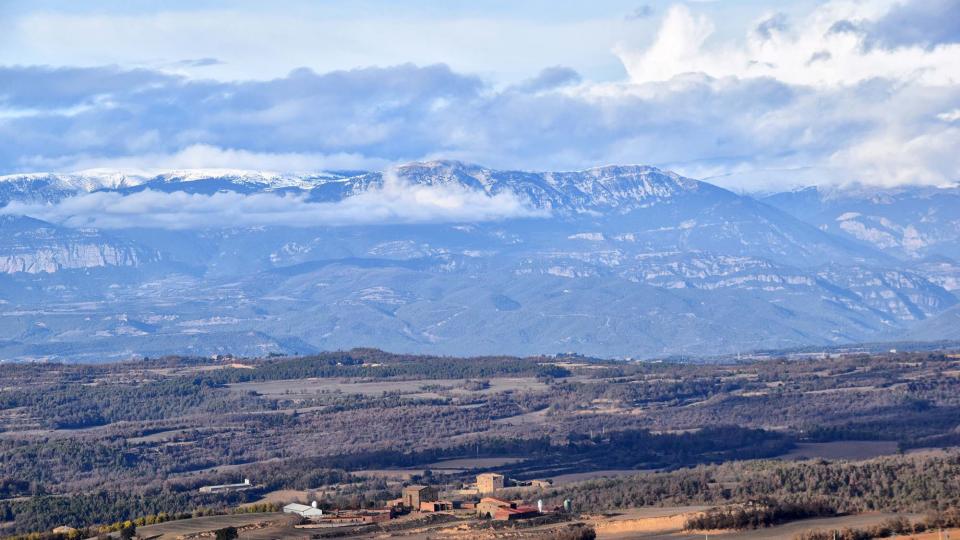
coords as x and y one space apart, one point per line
488 506
303 510
489 482
414 496
226 488
520 512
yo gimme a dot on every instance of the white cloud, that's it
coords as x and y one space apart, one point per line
894 158
396 202
950 116
870 103
808 52
676 50
205 156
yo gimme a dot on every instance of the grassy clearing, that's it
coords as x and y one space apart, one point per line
526 419
591 475
160 436
294 387
474 463
849 450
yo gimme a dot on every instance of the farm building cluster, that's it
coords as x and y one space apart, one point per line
476 498
314 514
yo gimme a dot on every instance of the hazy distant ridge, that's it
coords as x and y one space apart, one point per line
616 261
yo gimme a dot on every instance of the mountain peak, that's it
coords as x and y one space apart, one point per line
444 164
622 169
597 189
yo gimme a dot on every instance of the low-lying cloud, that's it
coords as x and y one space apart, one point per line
397 202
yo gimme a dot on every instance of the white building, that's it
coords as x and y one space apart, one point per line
227 487
303 510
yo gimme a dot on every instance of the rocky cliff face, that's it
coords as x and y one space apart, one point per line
32 246
68 256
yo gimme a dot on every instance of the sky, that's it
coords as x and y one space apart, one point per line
751 95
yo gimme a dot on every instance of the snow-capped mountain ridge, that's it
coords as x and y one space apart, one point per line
88 180
271 180
628 261
598 189
54 187
613 187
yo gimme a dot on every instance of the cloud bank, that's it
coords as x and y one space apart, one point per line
851 91
833 45
205 156
397 202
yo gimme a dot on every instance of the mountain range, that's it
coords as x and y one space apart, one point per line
625 261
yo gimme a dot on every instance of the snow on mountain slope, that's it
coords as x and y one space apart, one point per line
601 189
212 180
54 187
631 261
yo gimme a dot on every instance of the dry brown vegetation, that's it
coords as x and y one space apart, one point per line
165 427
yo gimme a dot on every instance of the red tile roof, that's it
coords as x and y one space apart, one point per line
519 510
496 500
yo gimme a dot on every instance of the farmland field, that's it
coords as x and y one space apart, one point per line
175 529
651 528
790 529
